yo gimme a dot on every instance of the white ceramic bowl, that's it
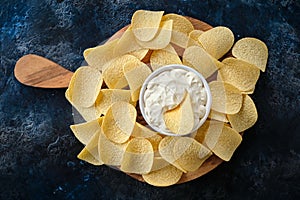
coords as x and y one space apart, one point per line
167 68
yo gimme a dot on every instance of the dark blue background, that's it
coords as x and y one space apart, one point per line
38 151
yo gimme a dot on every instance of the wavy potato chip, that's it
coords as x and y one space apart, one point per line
85 131
217 41
85 86
181 28
197 58
251 50
100 55
164 57
119 121
163 177
136 73
107 97
246 117
225 97
162 39
138 156
240 74
190 154
111 153
145 24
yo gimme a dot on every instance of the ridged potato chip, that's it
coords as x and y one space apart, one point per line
225 97
251 50
85 131
181 28
197 58
138 156
222 140
145 24
111 153
119 121
190 154
164 57
107 97
136 73
246 117
100 55
217 41
166 176
180 120
162 39
85 86
239 73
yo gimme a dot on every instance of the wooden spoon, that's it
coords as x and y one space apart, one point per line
36 71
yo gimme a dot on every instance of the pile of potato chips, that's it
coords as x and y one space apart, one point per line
106 92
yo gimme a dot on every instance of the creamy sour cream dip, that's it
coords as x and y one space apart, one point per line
167 90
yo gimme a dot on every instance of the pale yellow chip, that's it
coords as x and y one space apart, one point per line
85 131
111 153
90 152
138 157
217 41
222 141
181 29
162 39
100 55
145 24
141 131
251 50
164 57
197 58
166 176
119 121
165 149
85 86
190 154
239 73
225 97
107 97
139 54
87 51
199 135
217 116
159 163
180 120
136 73
246 117
193 38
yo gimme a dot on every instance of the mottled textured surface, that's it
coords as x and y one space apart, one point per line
38 151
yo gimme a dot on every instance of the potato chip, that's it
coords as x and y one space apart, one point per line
180 120
217 41
225 97
139 54
181 28
85 131
107 97
239 73
136 73
222 141
87 51
246 117
163 177
119 121
217 116
100 55
138 157
145 24
193 38
197 58
90 152
199 135
190 154
251 50
111 153
162 39
85 86
159 163
141 131
165 149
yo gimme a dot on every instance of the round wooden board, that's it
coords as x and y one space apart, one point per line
212 162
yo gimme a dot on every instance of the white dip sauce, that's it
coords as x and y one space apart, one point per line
167 90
